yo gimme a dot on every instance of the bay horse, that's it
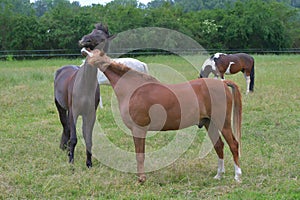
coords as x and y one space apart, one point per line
146 104
221 63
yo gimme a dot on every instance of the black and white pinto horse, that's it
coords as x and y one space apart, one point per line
221 63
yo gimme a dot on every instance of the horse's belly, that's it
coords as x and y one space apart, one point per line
174 120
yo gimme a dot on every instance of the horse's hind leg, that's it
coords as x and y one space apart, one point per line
73 136
234 148
248 81
64 121
139 143
252 77
215 138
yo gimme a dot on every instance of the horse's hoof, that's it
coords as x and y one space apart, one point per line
218 177
71 160
89 165
238 179
142 179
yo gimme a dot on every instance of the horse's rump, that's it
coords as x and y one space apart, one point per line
62 79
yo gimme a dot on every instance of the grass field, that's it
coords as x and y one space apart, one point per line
33 167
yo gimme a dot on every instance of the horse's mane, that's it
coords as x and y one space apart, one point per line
121 69
102 27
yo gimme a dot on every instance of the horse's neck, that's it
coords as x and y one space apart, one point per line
115 71
125 80
86 79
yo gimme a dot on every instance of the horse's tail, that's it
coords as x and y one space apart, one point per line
237 111
252 76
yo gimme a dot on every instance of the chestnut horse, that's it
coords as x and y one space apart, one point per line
220 64
148 105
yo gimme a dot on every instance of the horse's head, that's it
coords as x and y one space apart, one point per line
208 67
99 38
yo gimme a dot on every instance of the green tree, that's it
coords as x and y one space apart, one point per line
256 24
24 35
60 25
159 3
6 25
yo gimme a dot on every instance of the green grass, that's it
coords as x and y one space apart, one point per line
33 167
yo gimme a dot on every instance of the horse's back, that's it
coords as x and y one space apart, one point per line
133 64
65 70
129 62
62 80
246 58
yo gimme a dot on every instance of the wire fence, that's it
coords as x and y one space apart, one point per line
73 53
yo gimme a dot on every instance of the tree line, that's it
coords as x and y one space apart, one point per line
215 24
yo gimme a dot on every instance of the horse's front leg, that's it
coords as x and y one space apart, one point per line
139 143
73 136
87 129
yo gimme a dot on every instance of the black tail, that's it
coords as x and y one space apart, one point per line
252 76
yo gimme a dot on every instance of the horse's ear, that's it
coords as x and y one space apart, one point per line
101 27
98 26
